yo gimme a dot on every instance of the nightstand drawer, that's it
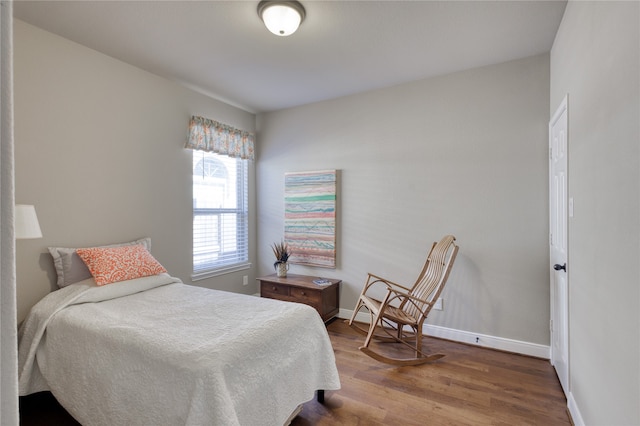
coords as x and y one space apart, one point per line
274 290
304 295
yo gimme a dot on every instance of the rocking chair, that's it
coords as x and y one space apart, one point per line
406 306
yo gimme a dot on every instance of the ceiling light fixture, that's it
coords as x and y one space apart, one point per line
281 17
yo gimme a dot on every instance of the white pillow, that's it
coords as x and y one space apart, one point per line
71 269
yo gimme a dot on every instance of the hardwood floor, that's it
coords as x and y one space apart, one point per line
470 386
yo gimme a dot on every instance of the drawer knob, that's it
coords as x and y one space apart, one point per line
273 288
303 293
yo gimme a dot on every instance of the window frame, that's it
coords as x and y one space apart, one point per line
241 212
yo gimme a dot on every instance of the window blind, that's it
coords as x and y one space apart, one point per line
220 214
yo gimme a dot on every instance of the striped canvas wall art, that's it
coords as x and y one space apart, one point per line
310 217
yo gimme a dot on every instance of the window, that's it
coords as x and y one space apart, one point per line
220 214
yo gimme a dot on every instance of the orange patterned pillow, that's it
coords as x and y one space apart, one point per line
112 264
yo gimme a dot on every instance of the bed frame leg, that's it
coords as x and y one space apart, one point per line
320 396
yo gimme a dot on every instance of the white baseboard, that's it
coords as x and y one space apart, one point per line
493 342
576 417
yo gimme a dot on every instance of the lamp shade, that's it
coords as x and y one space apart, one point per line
26 222
282 18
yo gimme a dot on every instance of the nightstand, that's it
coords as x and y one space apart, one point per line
301 288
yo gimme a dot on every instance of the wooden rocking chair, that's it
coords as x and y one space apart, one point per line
406 306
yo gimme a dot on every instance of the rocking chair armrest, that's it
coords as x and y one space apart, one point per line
387 282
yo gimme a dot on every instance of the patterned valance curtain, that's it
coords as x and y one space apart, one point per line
212 136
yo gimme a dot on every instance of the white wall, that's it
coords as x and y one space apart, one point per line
464 154
99 151
595 59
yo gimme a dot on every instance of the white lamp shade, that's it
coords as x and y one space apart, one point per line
26 222
281 19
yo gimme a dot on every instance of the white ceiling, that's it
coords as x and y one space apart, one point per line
222 49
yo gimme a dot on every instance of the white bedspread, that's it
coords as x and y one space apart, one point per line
154 351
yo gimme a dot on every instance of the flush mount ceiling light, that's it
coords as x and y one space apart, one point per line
281 17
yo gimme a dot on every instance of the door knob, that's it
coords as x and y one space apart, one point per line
559 267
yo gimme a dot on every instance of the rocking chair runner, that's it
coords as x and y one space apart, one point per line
406 306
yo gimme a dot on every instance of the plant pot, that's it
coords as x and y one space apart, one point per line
281 269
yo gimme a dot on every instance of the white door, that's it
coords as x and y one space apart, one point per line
558 214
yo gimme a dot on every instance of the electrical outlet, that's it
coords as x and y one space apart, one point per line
438 305
245 280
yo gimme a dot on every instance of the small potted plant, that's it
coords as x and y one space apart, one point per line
282 253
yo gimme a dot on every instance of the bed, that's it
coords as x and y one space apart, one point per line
153 350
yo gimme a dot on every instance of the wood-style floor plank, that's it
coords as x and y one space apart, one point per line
470 386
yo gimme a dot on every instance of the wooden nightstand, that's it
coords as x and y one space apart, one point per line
301 288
